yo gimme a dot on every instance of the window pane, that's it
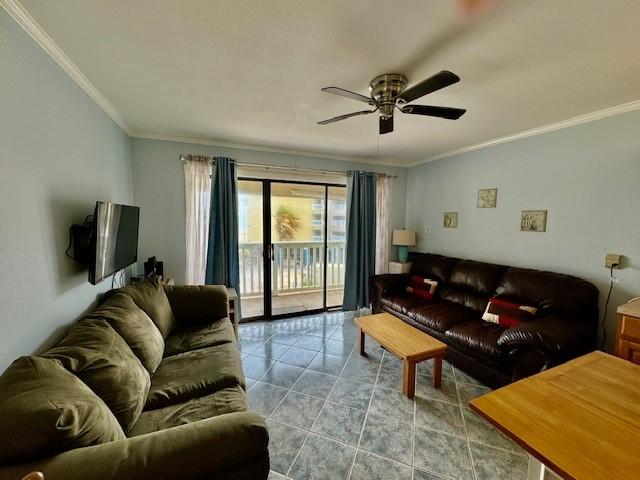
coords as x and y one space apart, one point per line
250 248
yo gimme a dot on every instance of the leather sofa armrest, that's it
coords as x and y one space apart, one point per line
202 449
557 338
198 304
383 284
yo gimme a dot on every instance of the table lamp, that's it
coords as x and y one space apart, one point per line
404 239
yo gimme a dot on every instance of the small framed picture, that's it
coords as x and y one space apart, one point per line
533 221
450 220
487 198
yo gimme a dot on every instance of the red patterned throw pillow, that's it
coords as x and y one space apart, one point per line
422 287
507 314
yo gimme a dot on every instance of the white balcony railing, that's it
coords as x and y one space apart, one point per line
296 267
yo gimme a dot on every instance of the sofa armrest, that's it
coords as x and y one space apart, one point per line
197 450
198 304
382 284
555 337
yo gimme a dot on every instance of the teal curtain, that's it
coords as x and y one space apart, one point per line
361 238
222 252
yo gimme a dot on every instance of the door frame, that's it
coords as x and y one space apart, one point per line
267 249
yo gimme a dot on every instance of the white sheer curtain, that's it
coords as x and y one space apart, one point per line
197 183
384 190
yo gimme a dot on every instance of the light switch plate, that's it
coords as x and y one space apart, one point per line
612 260
427 229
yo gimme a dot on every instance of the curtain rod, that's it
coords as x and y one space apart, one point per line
300 169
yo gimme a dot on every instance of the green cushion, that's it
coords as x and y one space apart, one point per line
227 400
95 352
150 297
198 304
135 327
194 374
186 339
44 409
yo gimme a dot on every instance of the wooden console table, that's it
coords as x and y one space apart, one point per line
581 419
233 309
628 332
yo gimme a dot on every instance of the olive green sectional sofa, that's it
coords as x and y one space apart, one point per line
147 386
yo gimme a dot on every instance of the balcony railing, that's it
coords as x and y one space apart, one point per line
296 267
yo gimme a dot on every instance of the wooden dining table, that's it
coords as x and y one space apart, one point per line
581 419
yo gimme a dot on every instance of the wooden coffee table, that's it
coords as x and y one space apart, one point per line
406 342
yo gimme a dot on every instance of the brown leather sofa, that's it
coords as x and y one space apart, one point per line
564 327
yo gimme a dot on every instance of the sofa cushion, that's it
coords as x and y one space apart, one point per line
477 277
476 335
193 338
433 266
196 373
150 297
403 302
467 298
198 304
551 292
441 316
227 400
44 409
95 352
135 327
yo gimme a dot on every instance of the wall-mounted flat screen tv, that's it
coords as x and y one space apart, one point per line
115 239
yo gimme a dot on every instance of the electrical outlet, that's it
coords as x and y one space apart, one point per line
612 260
427 229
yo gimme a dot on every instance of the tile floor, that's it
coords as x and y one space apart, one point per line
333 414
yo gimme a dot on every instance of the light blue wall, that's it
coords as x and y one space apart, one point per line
59 153
587 177
159 190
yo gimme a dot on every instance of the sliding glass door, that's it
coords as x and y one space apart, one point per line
292 239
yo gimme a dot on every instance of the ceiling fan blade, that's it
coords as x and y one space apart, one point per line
386 125
442 112
346 93
347 115
431 84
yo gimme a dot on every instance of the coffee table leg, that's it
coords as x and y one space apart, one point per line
409 379
437 371
361 342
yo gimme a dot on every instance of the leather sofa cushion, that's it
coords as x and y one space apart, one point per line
466 298
477 277
227 400
476 335
135 327
198 304
441 316
150 297
193 338
96 354
194 374
44 409
432 266
403 302
552 292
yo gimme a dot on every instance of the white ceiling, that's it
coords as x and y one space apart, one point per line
250 72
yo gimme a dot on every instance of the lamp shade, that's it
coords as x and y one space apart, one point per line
405 238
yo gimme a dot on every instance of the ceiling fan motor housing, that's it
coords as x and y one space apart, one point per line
385 88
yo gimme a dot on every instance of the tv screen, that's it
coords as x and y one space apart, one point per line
115 239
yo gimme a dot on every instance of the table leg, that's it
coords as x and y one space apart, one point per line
361 342
437 371
409 379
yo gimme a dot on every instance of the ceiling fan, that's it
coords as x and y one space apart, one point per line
389 91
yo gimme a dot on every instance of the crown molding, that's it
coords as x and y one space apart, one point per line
29 25
388 162
551 127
